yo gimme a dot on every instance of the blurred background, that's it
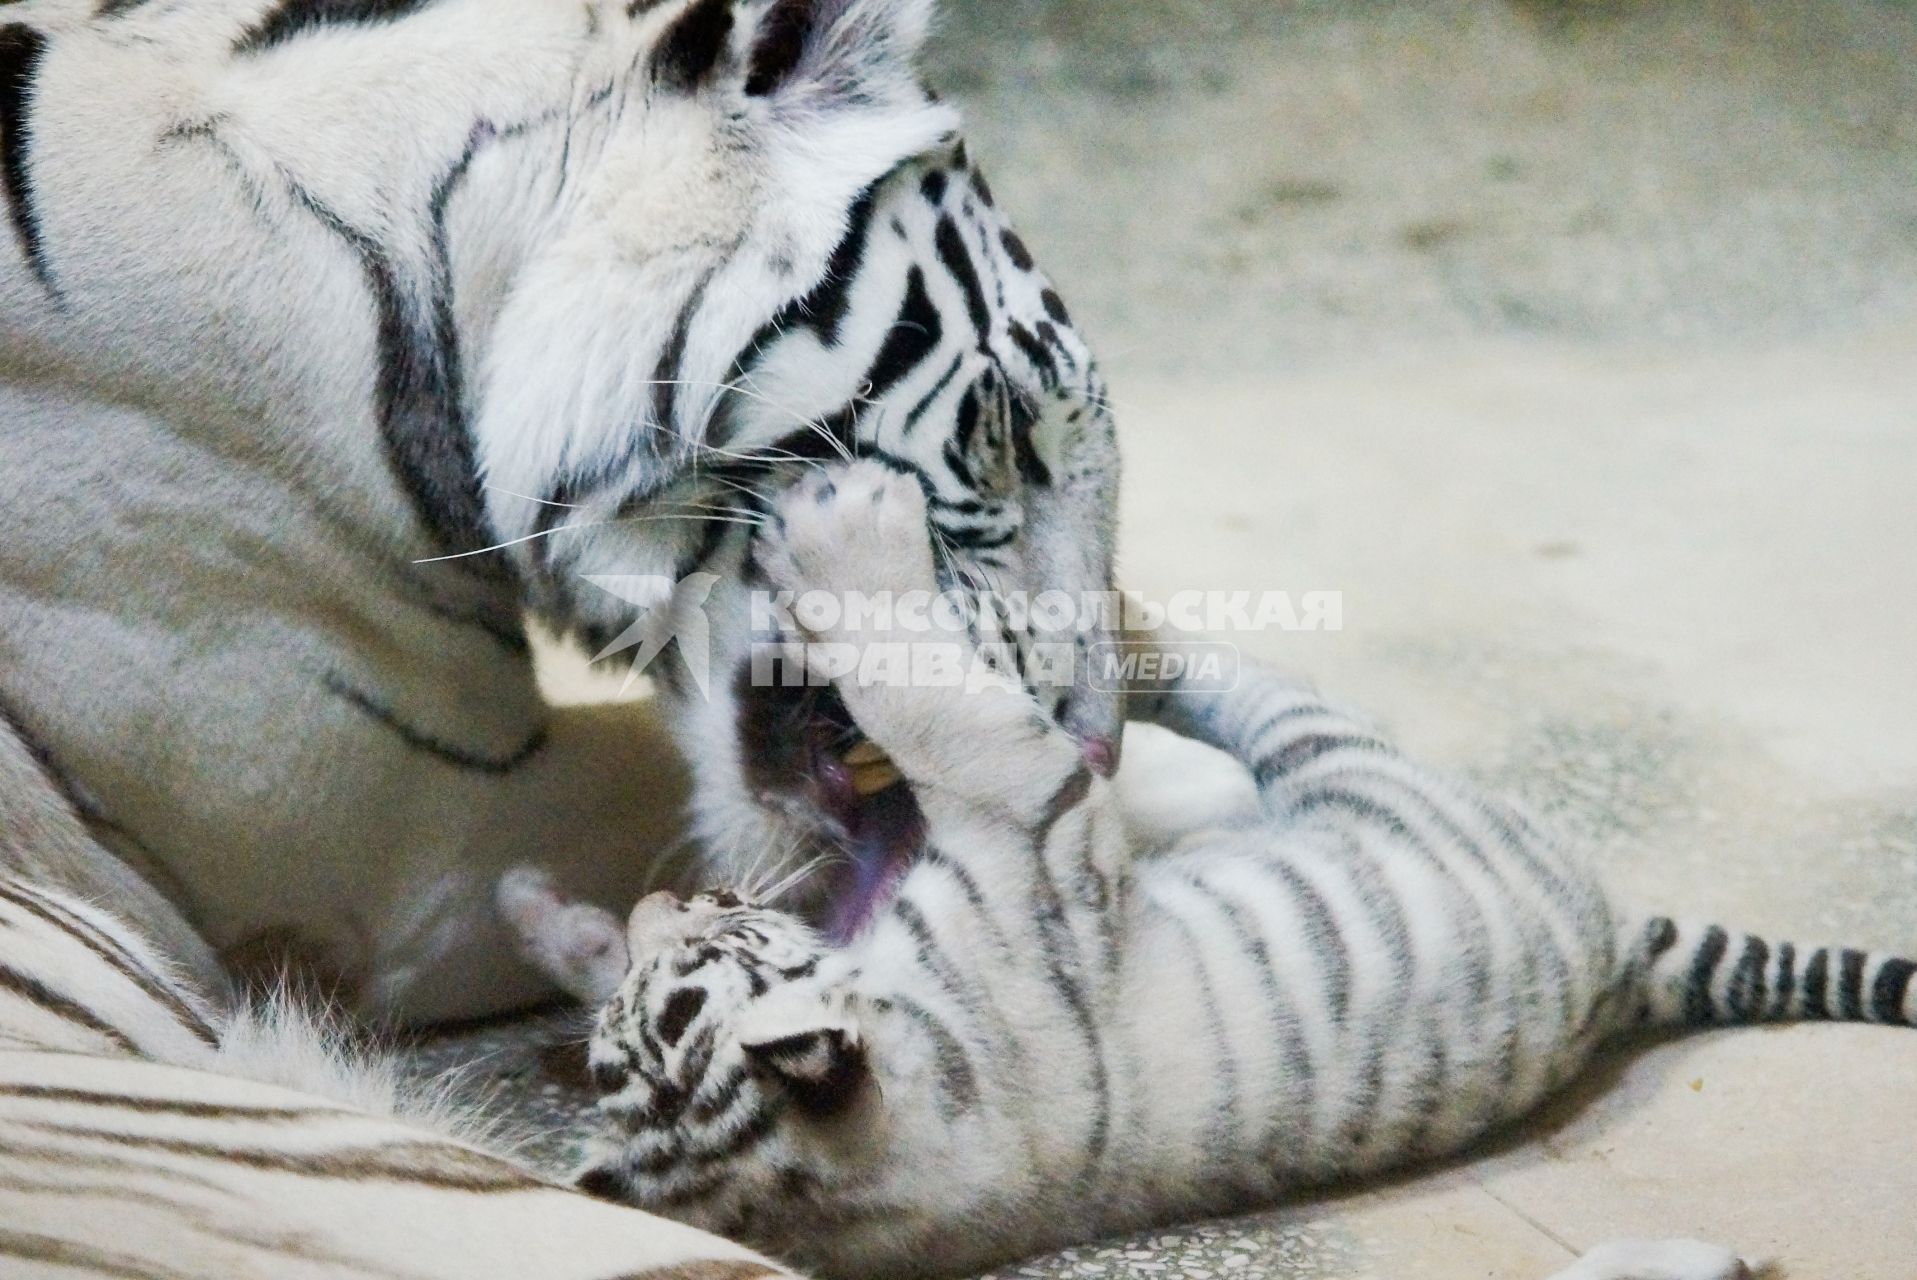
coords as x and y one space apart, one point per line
1228 186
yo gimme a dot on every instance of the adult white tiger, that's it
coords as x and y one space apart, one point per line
306 295
146 1131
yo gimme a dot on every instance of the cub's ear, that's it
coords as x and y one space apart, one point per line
810 1046
823 1072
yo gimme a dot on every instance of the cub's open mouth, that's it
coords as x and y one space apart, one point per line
804 756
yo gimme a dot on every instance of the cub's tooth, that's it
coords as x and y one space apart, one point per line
867 752
870 779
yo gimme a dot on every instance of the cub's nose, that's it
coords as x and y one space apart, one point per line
656 921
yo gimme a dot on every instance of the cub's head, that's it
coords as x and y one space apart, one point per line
726 1063
769 248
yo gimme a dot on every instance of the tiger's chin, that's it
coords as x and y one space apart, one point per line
814 774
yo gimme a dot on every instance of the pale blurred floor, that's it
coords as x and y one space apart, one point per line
1576 344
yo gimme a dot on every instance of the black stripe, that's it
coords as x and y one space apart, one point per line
292 18
666 374
1035 353
1698 1005
1540 943
109 950
926 401
21 49
169 1106
958 261
1327 939
1850 985
1055 939
1786 985
1031 467
712 1100
34 991
932 856
1817 984
682 1006
1251 742
1428 1088
508 635
1222 1059
929 953
692 45
1659 936
980 539
1746 996
1306 750
824 309
129 1162
42 755
1014 246
958 1080
916 334
418 397
755 1130
1888 990
781 41
1055 306
419 740
94 1261
421 1163
1245 931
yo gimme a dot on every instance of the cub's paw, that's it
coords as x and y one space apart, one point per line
579 947
861 526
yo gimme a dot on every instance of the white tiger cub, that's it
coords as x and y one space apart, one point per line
1044 1035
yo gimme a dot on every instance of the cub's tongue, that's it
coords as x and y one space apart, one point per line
884 833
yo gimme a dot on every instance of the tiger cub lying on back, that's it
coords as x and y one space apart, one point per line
1041 1037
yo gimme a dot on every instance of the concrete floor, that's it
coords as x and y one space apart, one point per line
1576 344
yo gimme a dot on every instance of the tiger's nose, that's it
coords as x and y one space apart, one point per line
1097 719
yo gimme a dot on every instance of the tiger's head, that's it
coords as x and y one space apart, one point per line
773 250
729 1066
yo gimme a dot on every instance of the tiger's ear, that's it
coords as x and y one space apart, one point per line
810 1048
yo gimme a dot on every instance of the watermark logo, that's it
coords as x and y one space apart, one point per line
669 611
929 639
1046 613
1198 666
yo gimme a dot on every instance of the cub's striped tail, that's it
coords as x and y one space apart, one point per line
1688 975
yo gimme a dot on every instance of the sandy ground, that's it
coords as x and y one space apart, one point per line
1576 345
